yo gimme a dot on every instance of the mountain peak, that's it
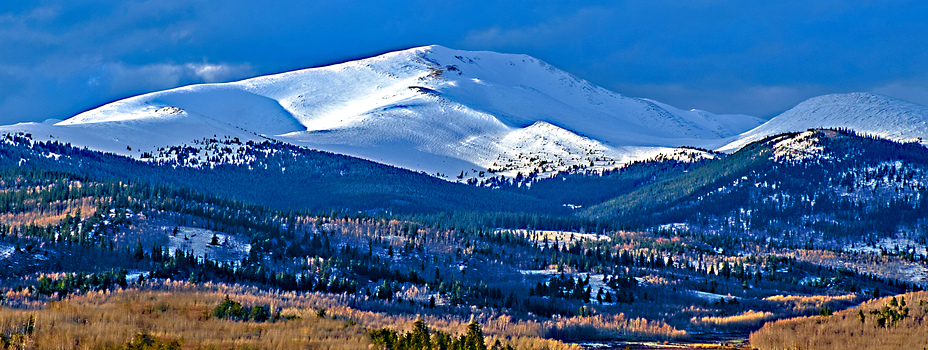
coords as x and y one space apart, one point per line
854 98
862 112
427 108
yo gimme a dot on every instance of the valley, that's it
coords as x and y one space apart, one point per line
541 276
432 198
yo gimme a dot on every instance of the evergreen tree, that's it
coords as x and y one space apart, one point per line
419 337
473 339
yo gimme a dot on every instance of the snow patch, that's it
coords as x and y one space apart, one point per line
229 248
804 148
7 250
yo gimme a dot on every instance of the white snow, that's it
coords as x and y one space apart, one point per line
862 112
892 245
6 250
429 108
597 281
552 236
710 296
805 147
676 227
134 275
231 248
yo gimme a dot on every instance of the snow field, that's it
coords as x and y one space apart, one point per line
430 109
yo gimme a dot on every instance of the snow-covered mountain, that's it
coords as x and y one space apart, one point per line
864 113
430 108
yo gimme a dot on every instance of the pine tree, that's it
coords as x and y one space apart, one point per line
419 337
473 339
139 252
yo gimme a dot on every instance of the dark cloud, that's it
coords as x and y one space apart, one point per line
62 57
10 84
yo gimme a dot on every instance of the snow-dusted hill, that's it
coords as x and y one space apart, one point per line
428 108
861 112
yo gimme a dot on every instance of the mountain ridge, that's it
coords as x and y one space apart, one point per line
862 112
457 115
429 108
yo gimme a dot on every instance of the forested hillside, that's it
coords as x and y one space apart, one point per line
77 223
272 174
803 190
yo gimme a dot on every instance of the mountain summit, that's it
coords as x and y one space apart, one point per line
428 108
861 112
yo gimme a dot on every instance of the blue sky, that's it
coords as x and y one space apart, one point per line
58 58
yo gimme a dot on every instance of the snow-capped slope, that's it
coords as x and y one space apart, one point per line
428 108
861 112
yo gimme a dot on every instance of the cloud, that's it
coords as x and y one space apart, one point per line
62 88
913 90
11 82
119 77
61 57
556 30
757 100
42 13
212 73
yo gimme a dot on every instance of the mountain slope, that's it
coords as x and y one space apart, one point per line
816 186
885 323
430 109
271 174
862 112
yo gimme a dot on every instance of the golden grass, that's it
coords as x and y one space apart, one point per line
98 320
844 330
179 310
804 304
745 319
615 326
811 299
51 214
